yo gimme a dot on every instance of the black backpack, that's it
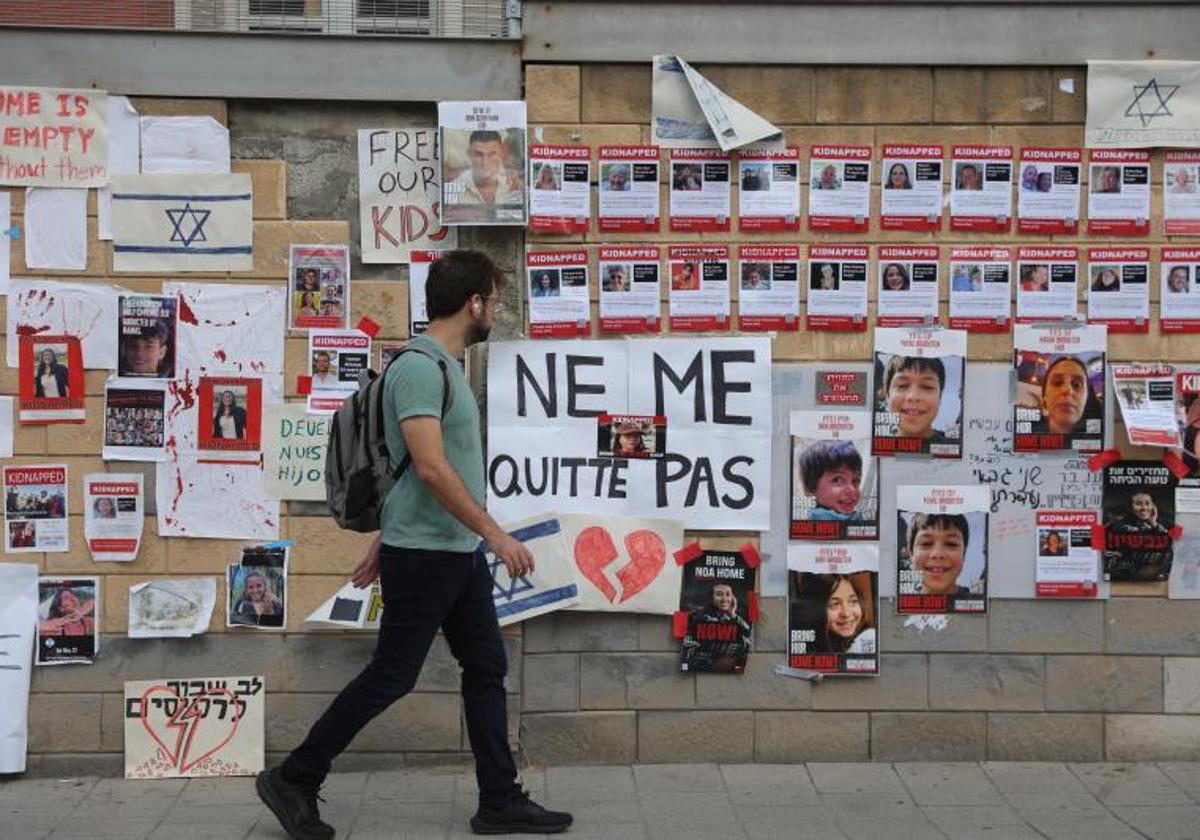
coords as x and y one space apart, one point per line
357 473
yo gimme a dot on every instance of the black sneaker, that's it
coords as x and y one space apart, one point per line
521 815
295 806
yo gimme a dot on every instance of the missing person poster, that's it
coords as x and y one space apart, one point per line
769 288
629 198
941 548
1146 397
230 415
911 187
839 188
336 358
134 415
769 190
1119 289
320 293
630 289
418 273
719 606
1181 195
560 191
1119 192
1048 192
483 162
50 379
113 515
700 191
146 337
1048 284
833 608
981 289
1068 565
919 391
559 303
981 189
1187 387
908 285
35 509
257 587
835 480
699 297
631 436
1180 291
68 609
1059 402
837 287
1139 520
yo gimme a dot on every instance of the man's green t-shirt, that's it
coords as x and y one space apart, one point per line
411 516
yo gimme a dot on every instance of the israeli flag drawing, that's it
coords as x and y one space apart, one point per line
190 222
551 587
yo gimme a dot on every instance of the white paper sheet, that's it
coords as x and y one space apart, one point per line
18 621
124 153
350 608
6 427
230 327
624 563
690 111
56 228
224 501
171 608
184 144
49 307
5 238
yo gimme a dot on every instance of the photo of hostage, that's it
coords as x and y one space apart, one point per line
1067 398
1177 280
897 178
831 473
69 614
104 507
148 353
707 649
629 440
324 374
969 177
50 379
912 390
1138 543
936 550
424 557
229 418
258 605
840 607
490 178
1053 545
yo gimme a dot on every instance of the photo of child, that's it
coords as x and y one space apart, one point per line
834 480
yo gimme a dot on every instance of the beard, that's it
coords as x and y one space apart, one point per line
478 333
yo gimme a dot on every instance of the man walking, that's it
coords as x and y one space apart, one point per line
429 576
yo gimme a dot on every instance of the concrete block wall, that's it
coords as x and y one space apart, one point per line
1031 680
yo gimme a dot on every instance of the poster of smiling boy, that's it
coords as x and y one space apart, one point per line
835 481
941 548
919 391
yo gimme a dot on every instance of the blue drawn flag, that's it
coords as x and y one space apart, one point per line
190 222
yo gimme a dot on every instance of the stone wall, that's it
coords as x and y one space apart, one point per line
1032 680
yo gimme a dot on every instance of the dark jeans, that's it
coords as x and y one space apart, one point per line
422 591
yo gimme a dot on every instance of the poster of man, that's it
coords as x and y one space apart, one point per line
146 336
483 162
35 509
67 630
257 587
833 608
1139 521
941 548
50 379
718 600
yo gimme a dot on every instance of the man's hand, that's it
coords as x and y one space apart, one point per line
367 570
517 558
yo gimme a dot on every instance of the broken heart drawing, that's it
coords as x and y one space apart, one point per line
184 729
624 562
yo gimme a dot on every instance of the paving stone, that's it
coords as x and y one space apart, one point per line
653 780
1185 774
1161 822
769 784
770 822
1129 784
948 784
856 778
980 822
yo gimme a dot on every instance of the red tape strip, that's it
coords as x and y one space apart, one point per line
1175 464
688 553
1102 459
750 555
304 385
1176 532
752 607
679 625
368 326
1098 540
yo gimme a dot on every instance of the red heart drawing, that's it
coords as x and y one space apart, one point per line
595 550
189 725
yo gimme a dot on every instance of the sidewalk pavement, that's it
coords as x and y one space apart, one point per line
992 800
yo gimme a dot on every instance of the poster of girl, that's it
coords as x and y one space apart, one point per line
833 608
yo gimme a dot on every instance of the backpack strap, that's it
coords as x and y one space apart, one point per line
447 397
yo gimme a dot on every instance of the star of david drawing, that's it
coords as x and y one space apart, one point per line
1142 100
515 586
179 217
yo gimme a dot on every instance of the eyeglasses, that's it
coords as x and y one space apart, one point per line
493 304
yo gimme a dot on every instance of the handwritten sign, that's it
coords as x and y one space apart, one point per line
53 137
181 728
400 194
294 452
